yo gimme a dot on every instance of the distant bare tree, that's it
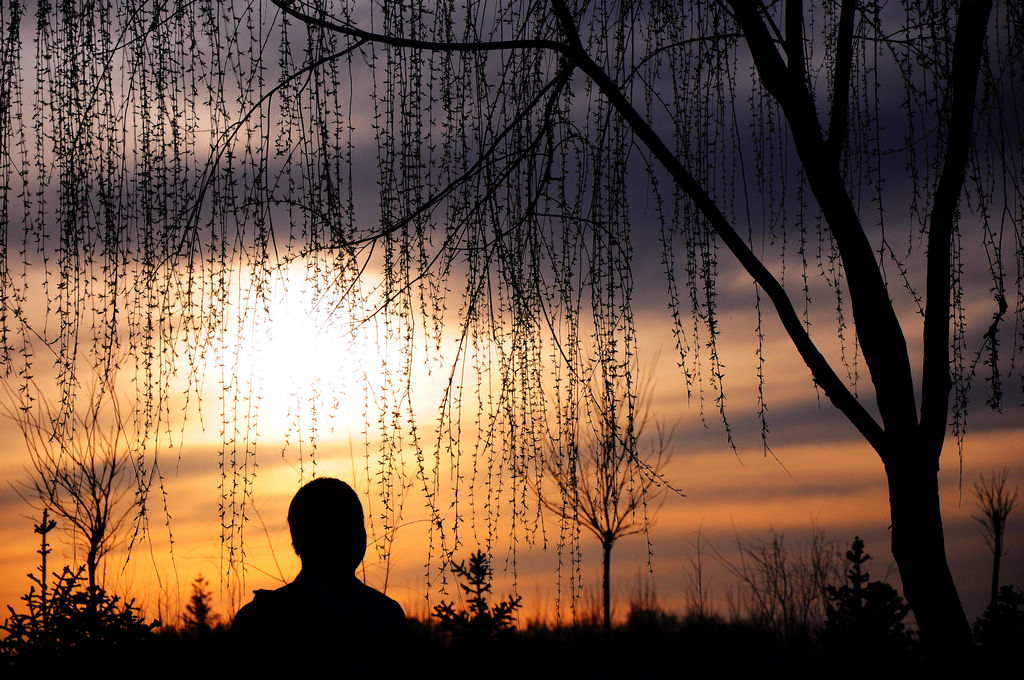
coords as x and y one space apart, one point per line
698 583
995 503
81 467
610 478
784 588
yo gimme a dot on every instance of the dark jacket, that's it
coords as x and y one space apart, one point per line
306 624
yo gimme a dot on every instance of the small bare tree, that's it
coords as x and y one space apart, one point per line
611 481
697 581
995 503
81 467
784 588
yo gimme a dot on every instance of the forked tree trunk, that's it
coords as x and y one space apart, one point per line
920 551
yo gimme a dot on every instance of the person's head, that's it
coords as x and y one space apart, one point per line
326 522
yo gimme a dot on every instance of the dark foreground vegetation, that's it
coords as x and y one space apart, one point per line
651 644
70 627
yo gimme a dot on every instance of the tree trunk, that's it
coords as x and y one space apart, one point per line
90 566
997 555
606 547
920 551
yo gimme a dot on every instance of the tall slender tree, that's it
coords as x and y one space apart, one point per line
611 479
995 503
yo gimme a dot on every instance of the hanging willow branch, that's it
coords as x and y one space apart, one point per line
475 187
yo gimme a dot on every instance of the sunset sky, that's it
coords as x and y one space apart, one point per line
286 369
821 474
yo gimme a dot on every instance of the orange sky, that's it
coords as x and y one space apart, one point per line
824 476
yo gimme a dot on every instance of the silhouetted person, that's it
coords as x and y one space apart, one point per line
326 615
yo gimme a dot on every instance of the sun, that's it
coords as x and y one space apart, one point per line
298 356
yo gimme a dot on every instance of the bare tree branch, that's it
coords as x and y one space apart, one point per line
82 473
972 23
841 80
330 24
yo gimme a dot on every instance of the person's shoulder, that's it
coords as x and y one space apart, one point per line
380 603
265 604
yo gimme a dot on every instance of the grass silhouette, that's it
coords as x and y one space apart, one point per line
69 627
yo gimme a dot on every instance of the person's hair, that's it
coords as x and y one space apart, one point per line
326 522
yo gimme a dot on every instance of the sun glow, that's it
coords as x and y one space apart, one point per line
298 357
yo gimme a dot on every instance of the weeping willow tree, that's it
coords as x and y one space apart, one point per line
495 173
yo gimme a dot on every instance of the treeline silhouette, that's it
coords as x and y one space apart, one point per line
804 611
